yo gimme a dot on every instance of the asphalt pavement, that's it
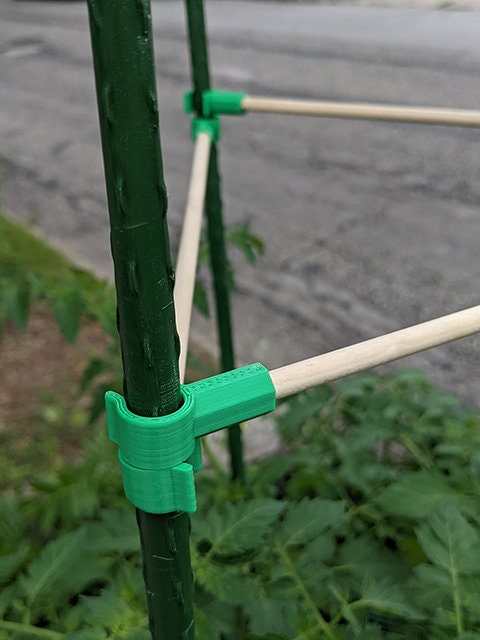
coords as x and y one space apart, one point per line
368 227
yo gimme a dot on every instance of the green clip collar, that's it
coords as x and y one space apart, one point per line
216 103
211 126
159 456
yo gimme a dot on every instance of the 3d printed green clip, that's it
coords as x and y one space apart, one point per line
211 126
159 456
216 103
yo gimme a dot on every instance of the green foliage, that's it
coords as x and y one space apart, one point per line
368 528
241 238
31 270
379 534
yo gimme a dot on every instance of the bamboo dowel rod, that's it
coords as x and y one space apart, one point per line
371 353
189 244
362 111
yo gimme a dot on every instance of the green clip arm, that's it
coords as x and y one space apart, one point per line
216 103
158 456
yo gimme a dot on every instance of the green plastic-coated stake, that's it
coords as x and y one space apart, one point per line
215 229
137 201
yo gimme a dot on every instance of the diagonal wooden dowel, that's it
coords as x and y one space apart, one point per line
189 245
371 353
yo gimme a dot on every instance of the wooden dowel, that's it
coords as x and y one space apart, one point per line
189 244
362 111
371 353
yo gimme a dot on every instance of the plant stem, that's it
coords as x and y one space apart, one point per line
457 605
416 452
321 622
19 627
347 610
213 459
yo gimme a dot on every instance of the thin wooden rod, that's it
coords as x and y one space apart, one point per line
371 353
363 111
189 244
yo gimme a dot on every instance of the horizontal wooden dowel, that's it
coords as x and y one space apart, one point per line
371 353
363 111
189 243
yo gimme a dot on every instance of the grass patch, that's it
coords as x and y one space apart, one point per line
19 245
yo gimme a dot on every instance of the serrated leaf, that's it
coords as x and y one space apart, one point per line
97 401
471 596
370 632
450 542
300 410
365 556
250 245
430 589
87 634
15 294
111 611
236 528
316 551
200 299
12 520
6 599
10 563
96 366
116 532
388 598
223 581
270 616
76 496
68 306
433 577
214 619
137 634
307 519
62 569
417 495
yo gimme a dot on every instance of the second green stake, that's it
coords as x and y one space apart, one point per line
216 231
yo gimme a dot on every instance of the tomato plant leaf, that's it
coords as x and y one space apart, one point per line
451 542
307 519
236 528
384 596
68 306
418 494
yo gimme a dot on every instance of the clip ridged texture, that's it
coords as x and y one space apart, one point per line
159 456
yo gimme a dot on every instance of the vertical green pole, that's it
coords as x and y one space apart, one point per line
137 201
216 231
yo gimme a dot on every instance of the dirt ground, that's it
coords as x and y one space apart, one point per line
39 374
39 367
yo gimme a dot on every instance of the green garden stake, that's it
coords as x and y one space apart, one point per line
213 208
137 202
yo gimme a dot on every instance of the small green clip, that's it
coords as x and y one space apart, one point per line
211 126
216 103
159 456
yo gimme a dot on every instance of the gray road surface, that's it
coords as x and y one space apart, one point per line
368 227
